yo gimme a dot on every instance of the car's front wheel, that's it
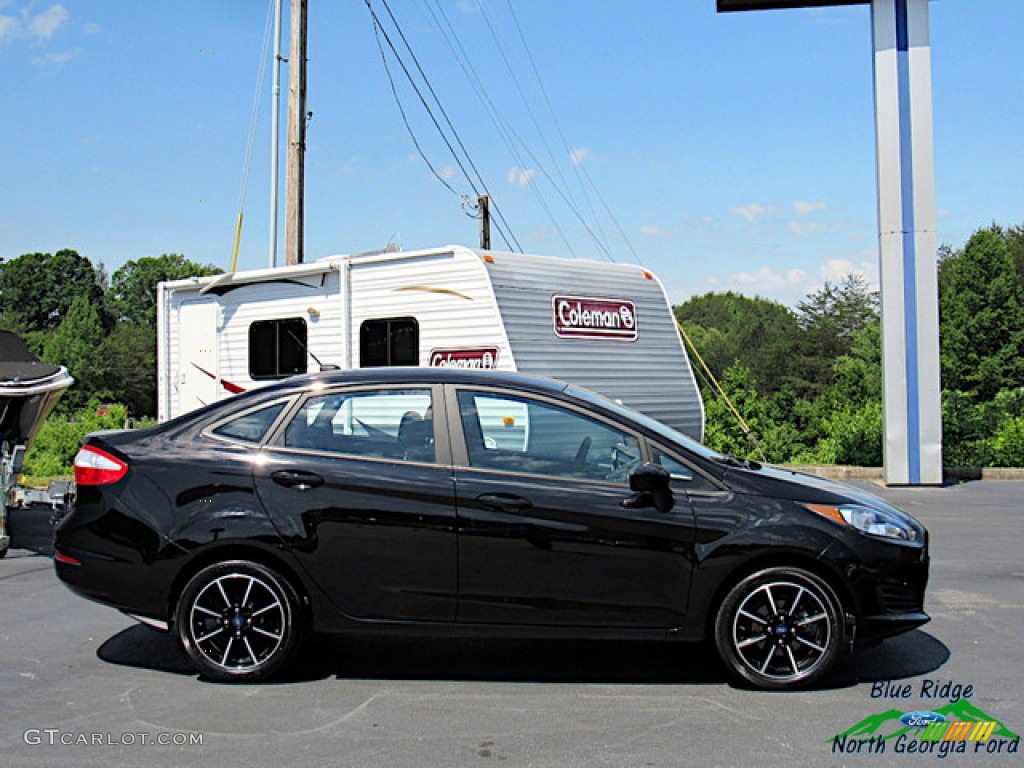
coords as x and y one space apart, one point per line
779 628
238 621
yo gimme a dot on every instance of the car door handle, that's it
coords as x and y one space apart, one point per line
505 502
295 478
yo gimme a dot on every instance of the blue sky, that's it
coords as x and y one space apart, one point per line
733 151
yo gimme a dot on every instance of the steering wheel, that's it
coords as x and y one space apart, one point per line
581 453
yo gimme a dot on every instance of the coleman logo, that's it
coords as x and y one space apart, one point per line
482 359
579 317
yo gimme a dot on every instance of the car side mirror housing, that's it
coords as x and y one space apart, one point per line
651 486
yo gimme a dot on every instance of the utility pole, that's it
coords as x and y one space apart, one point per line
484 203
295 180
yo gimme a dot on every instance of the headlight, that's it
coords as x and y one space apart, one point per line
884 523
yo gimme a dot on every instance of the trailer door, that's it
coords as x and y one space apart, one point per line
198 366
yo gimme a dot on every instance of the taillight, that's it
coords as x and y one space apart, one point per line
94 466
63 557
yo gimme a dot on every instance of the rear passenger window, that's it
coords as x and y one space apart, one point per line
251 427
395 424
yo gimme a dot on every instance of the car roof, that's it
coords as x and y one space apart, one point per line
423 375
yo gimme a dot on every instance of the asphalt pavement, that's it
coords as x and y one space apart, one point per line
81 685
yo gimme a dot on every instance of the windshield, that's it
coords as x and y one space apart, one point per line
646 421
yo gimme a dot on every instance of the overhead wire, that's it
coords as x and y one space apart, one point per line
494 206
253 121
499 220
520 149
577 167
563 190
505 130
405 118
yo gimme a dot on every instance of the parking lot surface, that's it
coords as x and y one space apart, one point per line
81 685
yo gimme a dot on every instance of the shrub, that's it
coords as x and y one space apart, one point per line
59 439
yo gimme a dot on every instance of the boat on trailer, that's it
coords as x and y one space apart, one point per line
29 388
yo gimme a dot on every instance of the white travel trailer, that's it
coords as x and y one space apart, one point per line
606 327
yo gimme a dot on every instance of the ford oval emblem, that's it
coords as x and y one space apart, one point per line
921 718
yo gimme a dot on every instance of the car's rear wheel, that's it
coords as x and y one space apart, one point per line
779 628
238 621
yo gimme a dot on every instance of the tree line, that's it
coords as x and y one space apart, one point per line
103 329
808 381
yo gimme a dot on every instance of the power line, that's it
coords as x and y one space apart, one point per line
504 128
578 167
501 225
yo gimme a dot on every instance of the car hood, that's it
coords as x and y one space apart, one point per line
782 483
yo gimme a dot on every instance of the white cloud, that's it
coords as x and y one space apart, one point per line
834 270
449 172
49 21
579 156
653 230
803 208
767 280
9 28
91 28
802 229
54 59
42 25
521 177
752 211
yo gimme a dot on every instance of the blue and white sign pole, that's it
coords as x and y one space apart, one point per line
912 400
912 397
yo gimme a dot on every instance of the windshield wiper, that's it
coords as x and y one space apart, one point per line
732 461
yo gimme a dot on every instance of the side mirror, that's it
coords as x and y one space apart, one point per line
651 486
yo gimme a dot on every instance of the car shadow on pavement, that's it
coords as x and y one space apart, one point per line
527 661
438 658
508 660
914 654
146 648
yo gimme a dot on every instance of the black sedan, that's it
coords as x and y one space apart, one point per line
433 500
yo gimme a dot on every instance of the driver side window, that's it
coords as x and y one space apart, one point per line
515 434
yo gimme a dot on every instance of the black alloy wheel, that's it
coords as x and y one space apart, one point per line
238 621
779 628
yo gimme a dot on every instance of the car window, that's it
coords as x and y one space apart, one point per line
384 424
684 477
252 426
516 434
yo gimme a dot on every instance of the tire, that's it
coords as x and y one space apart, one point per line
779 628
239 621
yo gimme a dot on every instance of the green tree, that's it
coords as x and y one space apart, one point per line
760 334
768 439
131 353
37 289
981 303
132 294
830 319
79 344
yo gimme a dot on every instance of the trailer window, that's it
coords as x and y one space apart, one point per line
389 341
277 348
